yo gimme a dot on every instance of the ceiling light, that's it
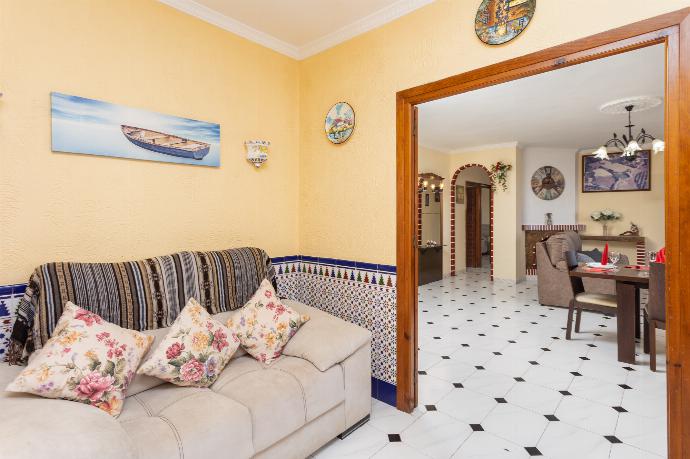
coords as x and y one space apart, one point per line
629 144
602 153
658 146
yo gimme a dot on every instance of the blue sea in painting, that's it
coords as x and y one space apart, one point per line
93 127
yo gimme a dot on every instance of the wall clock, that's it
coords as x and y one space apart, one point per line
548 183
499 21
340 123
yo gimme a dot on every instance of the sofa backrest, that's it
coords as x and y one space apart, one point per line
557 246
140 295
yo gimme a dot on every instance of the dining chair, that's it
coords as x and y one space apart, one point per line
654 310
580 299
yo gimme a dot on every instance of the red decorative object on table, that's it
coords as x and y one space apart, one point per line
605 255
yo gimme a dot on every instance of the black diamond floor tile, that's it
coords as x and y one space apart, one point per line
532 451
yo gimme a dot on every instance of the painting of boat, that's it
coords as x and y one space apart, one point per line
95 127
167 144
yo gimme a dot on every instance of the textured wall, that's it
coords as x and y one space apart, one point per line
564 207
57 206
506 210
347 205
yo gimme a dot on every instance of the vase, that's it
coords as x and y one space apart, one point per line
605 228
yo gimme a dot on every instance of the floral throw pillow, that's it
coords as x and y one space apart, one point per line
86 360
265 325
195 350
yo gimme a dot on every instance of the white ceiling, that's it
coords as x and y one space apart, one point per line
297 28
553 109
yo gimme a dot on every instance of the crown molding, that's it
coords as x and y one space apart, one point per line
232 25
365 24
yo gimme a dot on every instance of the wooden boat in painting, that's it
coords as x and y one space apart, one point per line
167 144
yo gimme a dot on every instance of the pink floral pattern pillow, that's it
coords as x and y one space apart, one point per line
265 325
194 352
86 360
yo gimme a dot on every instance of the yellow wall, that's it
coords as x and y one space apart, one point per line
645 208
56 206
507 218
347 205
472 174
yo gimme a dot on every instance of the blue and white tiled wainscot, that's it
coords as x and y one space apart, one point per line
9 298
361 293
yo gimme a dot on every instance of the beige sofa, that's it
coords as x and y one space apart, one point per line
319 389
553 284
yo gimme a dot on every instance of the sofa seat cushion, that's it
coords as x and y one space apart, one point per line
282 397
186 422
36 427
325 340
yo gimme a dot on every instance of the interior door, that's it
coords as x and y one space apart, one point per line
473 228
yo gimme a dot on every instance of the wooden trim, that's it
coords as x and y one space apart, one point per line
673 30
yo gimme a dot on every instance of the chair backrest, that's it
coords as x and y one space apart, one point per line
656 306
576 283
571 259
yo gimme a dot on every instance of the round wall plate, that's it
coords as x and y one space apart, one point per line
340 123
548 183
499 21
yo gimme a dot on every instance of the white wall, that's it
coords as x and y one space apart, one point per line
563 208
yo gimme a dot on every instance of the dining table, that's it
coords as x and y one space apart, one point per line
629 281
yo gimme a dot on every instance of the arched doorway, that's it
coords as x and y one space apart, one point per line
453 234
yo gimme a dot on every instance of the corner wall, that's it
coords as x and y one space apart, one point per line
140 53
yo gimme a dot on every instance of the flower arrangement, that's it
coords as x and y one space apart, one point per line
499 175
604 217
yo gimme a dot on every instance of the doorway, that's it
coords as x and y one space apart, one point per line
477 225
673 31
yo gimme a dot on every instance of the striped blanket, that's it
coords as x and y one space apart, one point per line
140 295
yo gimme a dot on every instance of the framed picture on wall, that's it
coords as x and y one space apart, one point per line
459 194
437 197
618 173
426 199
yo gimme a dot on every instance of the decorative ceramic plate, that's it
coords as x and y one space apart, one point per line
340 122
499 21
548 183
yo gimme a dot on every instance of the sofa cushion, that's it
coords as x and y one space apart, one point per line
195 350
143 382
264 325
186 422
325 340
36 427
87 360
281 398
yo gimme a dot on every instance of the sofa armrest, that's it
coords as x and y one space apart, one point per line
324 340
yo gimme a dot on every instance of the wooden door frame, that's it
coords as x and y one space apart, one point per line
481 186
673 30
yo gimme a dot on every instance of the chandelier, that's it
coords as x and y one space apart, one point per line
629 144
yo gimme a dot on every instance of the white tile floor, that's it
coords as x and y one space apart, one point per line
498 379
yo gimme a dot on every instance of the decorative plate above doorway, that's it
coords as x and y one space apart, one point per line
548 183
499 21
340 123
